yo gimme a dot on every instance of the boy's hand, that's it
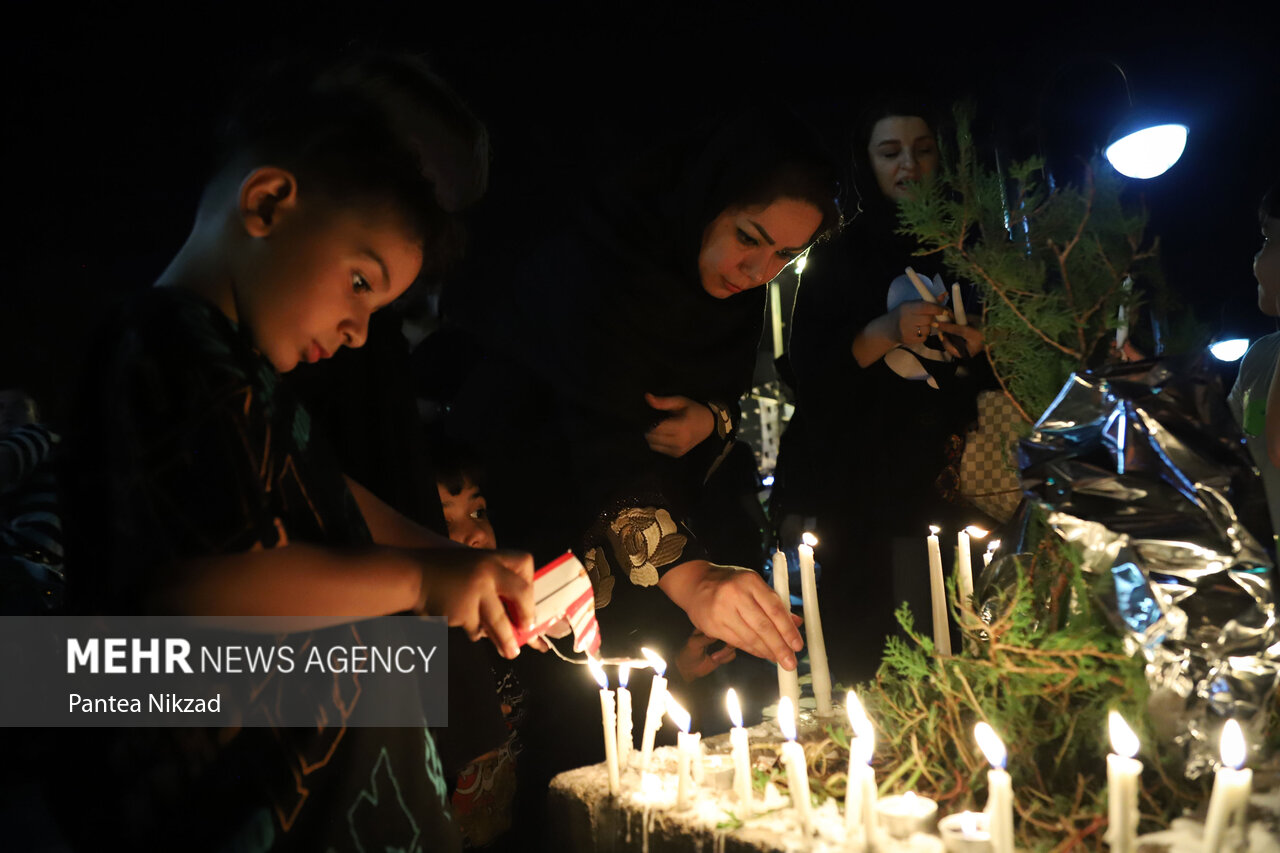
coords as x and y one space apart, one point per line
693 660
687 425
737 606
468 587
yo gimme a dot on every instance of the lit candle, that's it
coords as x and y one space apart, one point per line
965 832
1231 786
818 668
907 814
741 754
957 305
609 722
925 293
1123 773
860 794
788 679
625 740
687 745
797 767
657 706
938 591
964 562
999 789
992 547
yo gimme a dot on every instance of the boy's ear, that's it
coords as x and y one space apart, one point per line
266 195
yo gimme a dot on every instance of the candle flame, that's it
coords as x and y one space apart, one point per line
809 539
991 745
735 709
976 532
597 672
858 720
863 747
935 529
993 545
1232 745
678 714
624 674
1123 740
787 718
658 664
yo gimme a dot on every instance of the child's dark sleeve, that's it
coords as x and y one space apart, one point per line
174 452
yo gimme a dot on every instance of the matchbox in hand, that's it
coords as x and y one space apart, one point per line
564 601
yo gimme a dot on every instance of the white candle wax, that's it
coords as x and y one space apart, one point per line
964 568
818 668
906 814
999 789
689 750
966 832
860 795
741 770
741 755
788 679
957 306
609 722
938 593
625 740
610 739
1123 775
925 293
699 767
656 708
687 744
1231 787
797 767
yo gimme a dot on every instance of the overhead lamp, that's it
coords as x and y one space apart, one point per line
1229 350
1142 148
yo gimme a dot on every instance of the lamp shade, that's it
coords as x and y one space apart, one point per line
1145 149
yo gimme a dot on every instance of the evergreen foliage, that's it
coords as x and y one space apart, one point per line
1050 264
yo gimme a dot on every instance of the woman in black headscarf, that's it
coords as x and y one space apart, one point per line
626 343
883 399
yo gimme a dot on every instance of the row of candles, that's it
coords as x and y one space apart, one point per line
788 680
1227 803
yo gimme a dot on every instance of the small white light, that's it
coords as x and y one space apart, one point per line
735 709
991 745
786 718
1123 740
801 263
624 674
768 481
678 714
809 539
1229 350
976 532
1149 152
658 664
1232 745
597 671
935 529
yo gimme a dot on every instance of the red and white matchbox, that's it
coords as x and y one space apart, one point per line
562 593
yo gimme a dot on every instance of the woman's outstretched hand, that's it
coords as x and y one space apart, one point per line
468 587
685 427
735 605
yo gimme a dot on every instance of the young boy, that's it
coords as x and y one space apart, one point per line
1255 397
198 486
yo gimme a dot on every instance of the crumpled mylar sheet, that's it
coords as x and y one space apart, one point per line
1143 465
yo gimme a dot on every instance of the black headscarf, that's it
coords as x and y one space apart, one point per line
615 307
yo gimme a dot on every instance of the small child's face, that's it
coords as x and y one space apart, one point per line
467 516
316 278
1266 268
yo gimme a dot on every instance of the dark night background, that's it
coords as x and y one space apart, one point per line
109 113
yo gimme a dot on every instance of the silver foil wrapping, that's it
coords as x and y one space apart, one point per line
1144 467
